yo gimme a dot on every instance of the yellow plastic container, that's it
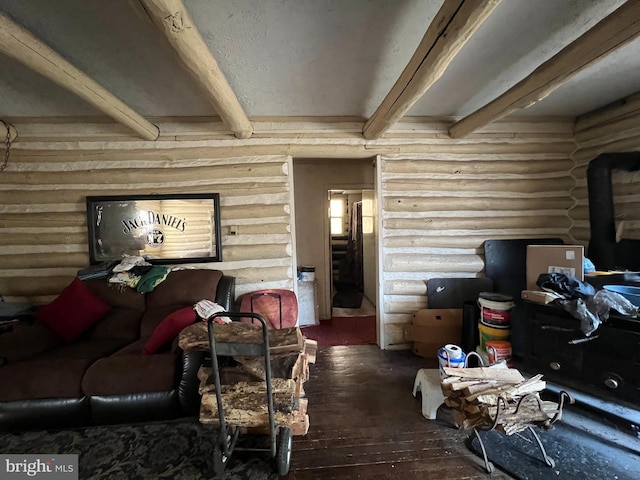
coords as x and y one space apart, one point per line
488 334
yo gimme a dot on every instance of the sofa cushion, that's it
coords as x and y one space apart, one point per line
72 312
116 295
26 341
169 329
185 287
34 379
89 349
118 323
126 374
134 348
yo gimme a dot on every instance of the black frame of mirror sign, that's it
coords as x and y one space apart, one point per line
165 229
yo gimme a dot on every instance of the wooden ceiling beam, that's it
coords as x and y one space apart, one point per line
174 21
452 27
21 45
616 30
625 107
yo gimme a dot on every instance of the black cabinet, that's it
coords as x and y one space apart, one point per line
607 362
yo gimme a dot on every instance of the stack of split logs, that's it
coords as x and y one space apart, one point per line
243 378
497 397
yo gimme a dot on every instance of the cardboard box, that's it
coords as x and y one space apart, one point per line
432 329
565 259
539 296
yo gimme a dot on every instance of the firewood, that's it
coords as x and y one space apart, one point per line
301 368
243 379
480 387
228 376
282 366
467 384
452 402
470 422
487 373
492 392
511 422
299 424
196 337
245 404
299 390
534 384
311 349
302 405
450 379
277 385
243 418
471 409
477 395
509 392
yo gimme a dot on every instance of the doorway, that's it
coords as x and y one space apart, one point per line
313 179
348 212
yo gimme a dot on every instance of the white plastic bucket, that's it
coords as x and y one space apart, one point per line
495 309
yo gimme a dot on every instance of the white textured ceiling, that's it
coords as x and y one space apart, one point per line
309 57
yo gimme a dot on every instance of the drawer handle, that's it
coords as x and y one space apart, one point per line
556 329
555 366
611 383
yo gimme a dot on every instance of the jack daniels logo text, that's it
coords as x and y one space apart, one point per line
154 218
154 237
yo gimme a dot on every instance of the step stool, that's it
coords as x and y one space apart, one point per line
428 383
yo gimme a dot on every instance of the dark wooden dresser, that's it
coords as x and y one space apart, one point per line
607 363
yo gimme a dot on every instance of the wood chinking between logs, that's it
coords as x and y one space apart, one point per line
243 377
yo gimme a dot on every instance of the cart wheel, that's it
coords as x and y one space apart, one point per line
219 458
283 454
489 467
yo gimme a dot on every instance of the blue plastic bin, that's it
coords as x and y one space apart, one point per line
630 293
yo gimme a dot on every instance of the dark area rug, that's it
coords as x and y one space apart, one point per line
343 331
181 449
577 455
348 299
347 295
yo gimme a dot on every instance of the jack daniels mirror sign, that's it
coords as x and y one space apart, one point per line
176 228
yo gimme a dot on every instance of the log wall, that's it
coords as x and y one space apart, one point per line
438 199
612 130
43 230
438 209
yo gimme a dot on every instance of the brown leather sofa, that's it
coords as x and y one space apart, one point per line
104 377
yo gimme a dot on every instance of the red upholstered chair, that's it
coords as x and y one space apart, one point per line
278 307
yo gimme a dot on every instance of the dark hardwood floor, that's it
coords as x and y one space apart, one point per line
365 423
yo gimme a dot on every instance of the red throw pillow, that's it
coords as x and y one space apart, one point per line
169 329
73 312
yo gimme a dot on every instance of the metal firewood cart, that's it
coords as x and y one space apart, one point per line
227 436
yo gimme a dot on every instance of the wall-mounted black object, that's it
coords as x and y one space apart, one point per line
603 250
165 229
454 292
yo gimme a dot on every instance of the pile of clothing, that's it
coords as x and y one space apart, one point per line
135 272
583 302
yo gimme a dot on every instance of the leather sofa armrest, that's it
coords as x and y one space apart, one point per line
226 292
188 383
